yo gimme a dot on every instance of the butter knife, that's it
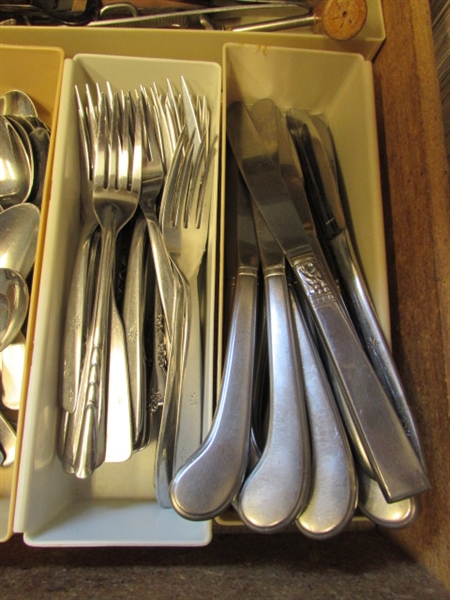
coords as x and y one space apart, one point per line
316 150
396 465
278 487
209 480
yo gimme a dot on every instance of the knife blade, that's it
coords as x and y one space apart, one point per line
209 480
397 467
278 487
331 216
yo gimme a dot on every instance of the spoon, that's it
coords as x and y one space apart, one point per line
19 226
14 299
12 366
16 102
16 181
7 442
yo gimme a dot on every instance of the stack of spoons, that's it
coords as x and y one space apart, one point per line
24 144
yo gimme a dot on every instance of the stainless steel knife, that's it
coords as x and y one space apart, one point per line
396 465
333 495
278 487
210 479
311 143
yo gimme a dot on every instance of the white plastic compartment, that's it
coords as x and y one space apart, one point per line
117 505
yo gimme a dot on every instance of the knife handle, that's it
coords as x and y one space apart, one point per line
333 496
207 483
278 487
372 336
393 460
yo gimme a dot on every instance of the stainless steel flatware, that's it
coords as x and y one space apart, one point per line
397 467
316 152
115 200
133 313
333 497
7 442
277 488
209 480
373 504
333 487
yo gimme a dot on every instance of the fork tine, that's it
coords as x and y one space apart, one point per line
204 199
184 179
171 183
194 187
101 153
175 107
136 171
166 144
86 145
115 166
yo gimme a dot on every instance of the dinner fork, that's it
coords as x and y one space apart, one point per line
116 188
184 221
152 182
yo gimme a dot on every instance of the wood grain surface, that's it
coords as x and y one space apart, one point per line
417 218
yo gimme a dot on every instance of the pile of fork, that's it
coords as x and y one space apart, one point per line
146 191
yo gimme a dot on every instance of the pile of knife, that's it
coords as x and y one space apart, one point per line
312 422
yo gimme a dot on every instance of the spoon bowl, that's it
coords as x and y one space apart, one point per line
14 300
19 226
16 102
16 180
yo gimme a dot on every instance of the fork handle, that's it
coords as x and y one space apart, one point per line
165 449
191 401
164 272
93 384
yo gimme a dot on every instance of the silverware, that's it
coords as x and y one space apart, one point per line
133 314
7 442
184 220
315 151
333 494
277 489
114 200
398 469
207 483
373 504
333 497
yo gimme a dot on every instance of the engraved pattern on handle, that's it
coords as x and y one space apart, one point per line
393 460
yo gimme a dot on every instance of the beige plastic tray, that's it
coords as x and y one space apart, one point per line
340 87
18 71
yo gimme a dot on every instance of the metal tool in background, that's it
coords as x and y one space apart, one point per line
340 20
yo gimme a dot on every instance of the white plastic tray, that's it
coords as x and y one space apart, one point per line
117 505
